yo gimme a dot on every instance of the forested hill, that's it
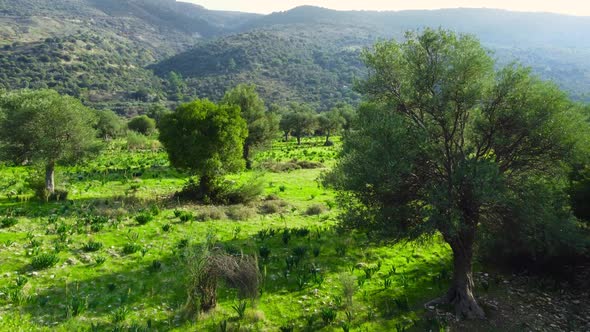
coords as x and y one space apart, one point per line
310 53
120 53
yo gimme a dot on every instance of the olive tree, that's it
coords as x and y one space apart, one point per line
47 128
329 123
299 120
206 139
262 125
444 142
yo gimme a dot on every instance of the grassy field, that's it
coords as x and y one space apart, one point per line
111 256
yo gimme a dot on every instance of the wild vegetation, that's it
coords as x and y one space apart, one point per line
306 199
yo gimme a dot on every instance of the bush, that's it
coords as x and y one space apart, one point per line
315 209
142 124
270 207
211 213
136 141
240 212
222 192
8 222
44 261
92 246
144 218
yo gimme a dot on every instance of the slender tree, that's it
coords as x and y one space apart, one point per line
206 139
262 125
445 142
44 127
329 123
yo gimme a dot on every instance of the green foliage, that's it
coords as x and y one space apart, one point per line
206 139
7 222
142 124
43 261
109 125
44 127
262 125
92 246
447 143
329 123
299 121
144 218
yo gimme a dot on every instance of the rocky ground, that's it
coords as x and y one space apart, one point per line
529 303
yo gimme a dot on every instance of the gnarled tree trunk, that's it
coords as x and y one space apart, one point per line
50 177
460 293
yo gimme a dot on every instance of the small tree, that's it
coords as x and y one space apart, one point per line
299 121
446 144
206 139
142 124
329 123
262 125
44 127
109 124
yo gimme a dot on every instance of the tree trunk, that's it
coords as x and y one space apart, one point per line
286 136
206 185
50 177
298 140
460 293
247 156
327 139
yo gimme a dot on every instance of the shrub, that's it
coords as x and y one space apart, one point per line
136 141
186 216
211 213
142 124
240 212
144 218
92 246
270 207
131 248
8 222
315 209
44 261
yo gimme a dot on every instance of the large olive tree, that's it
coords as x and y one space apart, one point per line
45 127
444 141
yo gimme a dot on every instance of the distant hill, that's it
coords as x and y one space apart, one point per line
120 53
555 46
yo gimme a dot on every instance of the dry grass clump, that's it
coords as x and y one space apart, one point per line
207 266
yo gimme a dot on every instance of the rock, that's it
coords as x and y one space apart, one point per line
71 261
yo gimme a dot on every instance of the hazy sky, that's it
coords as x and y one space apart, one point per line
573 7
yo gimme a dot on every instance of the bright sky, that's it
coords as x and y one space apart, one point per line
572 7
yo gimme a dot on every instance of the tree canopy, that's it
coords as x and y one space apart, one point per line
205 138
45 127
445 143
299 120
142 124
262 125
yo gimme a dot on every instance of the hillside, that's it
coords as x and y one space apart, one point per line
122 52
296 63
285 53
98 49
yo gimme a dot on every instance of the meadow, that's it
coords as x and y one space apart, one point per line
112 256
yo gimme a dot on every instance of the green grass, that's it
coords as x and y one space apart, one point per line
147 286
